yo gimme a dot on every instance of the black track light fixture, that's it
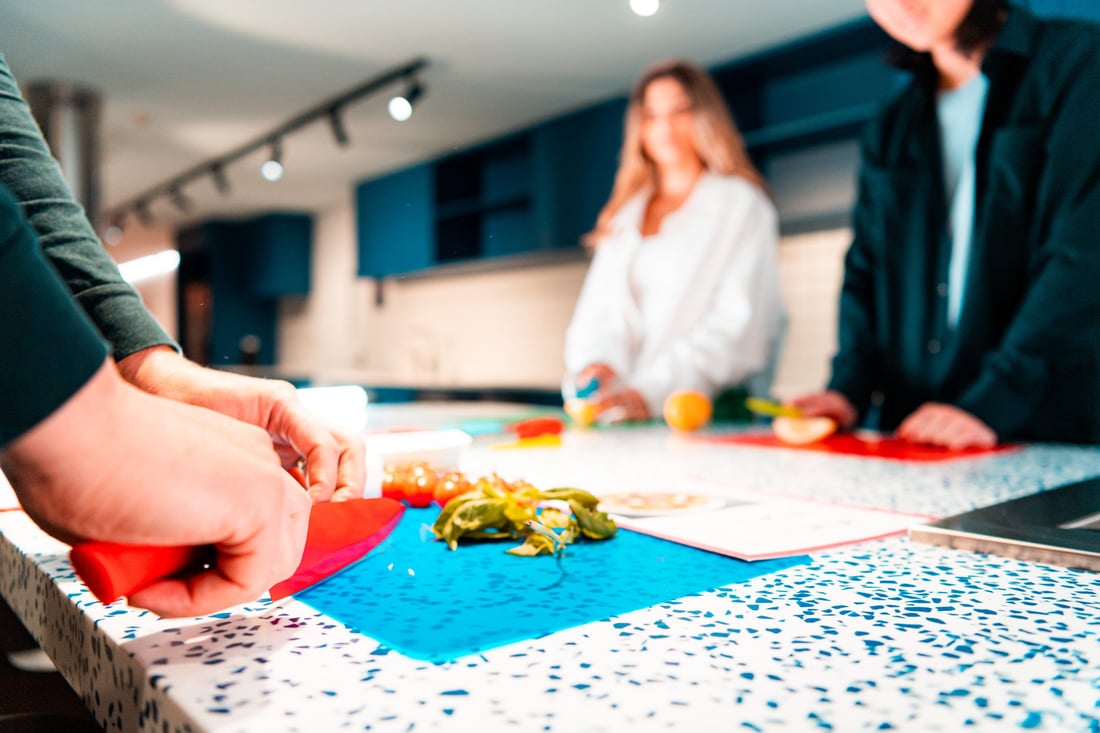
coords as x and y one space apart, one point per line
180 200
141 210
331 109
221 181
336 123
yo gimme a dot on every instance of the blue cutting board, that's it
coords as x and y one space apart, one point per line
417 597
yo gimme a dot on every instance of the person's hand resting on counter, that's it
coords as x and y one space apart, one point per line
115 463
948 426
333 463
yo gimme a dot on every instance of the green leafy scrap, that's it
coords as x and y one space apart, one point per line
496 510
535 544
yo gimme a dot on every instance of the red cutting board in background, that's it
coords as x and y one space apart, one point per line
862 445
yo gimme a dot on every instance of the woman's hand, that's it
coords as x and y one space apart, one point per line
948 426
333 462
117 464
827 404
603 375
622 405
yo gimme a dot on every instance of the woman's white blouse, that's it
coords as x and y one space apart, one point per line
695 306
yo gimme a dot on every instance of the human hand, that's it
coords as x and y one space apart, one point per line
948 426
116 464
600 373
827 404
333 462
621 405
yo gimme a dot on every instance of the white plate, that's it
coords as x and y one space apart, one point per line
658 503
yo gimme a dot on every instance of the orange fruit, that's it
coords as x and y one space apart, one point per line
582 412
803 430
687 410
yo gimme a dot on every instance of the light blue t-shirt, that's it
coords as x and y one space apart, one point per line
960 113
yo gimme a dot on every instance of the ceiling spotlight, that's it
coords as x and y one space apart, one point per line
401 106
272 169
645 8
339 132
221 182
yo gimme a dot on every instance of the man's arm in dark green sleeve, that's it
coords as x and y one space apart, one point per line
64 232
50 348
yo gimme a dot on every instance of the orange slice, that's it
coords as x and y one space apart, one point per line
803 430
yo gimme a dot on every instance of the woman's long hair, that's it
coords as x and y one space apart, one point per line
717 142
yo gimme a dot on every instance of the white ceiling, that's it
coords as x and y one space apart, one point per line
186 80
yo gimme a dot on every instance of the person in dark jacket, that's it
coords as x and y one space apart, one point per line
970 312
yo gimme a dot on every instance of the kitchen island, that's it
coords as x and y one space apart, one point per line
883 635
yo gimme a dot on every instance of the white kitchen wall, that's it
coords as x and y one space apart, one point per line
811 269
487 329
502 329
320 333
498 329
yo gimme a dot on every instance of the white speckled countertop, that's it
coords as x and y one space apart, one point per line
887 635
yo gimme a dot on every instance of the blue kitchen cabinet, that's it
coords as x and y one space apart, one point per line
395 215
575 159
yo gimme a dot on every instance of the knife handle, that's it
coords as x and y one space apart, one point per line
112 571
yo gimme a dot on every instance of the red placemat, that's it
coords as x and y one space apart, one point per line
849 444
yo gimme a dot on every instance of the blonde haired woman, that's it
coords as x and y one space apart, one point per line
683 290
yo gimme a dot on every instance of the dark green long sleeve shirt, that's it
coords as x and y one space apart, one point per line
64 232
1025 357
50 348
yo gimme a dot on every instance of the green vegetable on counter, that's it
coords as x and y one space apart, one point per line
498 510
